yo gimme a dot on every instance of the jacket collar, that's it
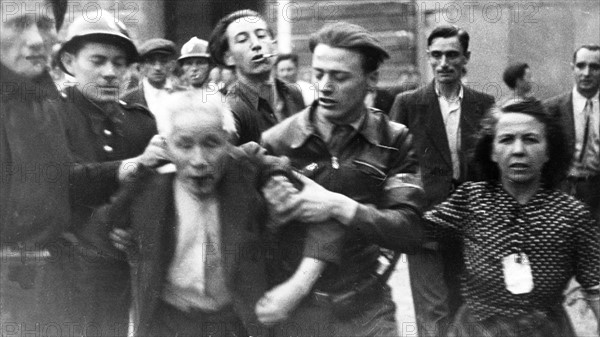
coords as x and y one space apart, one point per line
39 88
305 128
253 96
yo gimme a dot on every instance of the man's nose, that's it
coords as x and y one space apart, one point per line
198 159
255 43
33 37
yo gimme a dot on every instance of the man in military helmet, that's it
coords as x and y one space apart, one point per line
110 139
195 63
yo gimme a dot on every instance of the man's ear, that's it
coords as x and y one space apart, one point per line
67 60
228 58
467 56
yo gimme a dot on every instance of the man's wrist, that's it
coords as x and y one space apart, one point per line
343 208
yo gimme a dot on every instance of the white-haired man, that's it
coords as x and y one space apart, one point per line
199 232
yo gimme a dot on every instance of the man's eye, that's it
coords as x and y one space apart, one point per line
436 54
46 24
452 54
241 38
318 75
595 66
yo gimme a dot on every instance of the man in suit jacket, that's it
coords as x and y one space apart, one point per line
199 263
443 118
581 117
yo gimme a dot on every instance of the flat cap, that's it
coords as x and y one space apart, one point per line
157 45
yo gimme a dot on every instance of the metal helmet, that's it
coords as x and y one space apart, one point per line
104 28
195 47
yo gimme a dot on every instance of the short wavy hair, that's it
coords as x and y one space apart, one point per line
354 37
218 44
560 152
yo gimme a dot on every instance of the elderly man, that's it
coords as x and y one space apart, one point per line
34 206
370 185
443 116
199 233
244 40
109 138
579 110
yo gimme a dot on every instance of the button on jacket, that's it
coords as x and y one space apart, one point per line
378 168
100 139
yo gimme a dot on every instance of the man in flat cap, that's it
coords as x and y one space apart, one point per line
156 63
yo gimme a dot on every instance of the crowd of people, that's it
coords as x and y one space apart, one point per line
267 206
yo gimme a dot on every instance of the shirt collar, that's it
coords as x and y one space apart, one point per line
579 100
150 88
366 126
254 96
460 91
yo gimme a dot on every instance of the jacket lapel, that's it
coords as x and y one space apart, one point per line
435 123
566 108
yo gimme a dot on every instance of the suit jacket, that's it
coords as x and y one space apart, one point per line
562 106
147 206
419 109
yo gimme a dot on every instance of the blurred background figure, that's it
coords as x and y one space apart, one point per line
228 78
519 80
523 238
195 64
156 64
580 113
286 68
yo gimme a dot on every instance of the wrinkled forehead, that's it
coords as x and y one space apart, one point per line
11 10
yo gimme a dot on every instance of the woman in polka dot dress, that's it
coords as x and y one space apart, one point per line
523 239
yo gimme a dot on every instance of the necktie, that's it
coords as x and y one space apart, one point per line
587 112
213 270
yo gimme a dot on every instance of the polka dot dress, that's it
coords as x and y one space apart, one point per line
553 229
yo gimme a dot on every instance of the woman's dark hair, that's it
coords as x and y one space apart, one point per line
560 152
218 44
514 72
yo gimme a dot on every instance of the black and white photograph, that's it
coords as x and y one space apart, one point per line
296 168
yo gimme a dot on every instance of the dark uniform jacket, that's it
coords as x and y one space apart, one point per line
420 111
378 168
254 114
34 162
100 139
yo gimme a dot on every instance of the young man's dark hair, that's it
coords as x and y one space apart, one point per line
514 72
590 47
350 36
447 31
217 43
283 57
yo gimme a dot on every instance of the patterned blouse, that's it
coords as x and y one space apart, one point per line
554 230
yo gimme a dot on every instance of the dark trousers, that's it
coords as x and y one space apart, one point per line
90 292
170 321
374 316
435 284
